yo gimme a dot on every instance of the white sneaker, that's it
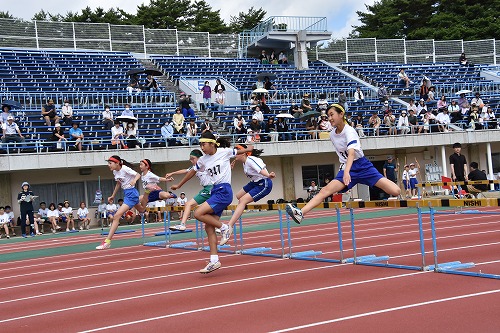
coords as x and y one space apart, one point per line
179 227
212 266
104 245
67 230
226 236
294 212
217 231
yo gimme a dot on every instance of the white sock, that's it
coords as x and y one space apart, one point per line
214 258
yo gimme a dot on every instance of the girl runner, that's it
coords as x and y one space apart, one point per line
259 186
150 183
126 178
216 164
354 167
198 199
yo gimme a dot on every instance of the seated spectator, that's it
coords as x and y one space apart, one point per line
322 103
254 129
130 135
258 115
477 100
282 129
324 124
431 95
5 113
295 111
4 221
265 108
107 118
349 120
83 216
475 121
305 105
151 84
192 132
443 120
133 84
403 79
67 114
359 98
374 123
454 112
206 126
239 125
76 135
207 95
442 104
282 59
49 113
312 190
428 119
463 104
67 216
273 59
421 108
258 84
167 133
117 135
413 121
58 136
264 59
127 112
11 131
312 127
489 118
111 209
185 105
382 93
403 123
220 100
385 108
178 121
463 60
270 130
42 212
53 216
476 174
411 106
390 122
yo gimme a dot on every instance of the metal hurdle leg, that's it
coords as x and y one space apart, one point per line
260 251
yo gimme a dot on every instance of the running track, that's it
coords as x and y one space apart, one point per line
138 289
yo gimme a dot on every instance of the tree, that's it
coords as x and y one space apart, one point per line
6 15
99 15
246 21
46 16
205 19
165 14
429 19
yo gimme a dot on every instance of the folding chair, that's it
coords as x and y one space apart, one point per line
457 193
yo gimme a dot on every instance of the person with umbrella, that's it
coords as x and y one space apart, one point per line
133 84
5 113
11 132
151 83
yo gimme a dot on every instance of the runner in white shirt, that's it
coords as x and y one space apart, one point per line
216 164
354 167
260 185
83 216
126 178
152 191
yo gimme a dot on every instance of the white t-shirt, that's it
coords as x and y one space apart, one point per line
202 176
149 178
406 175
160 203
125 176
82 213
53 213
413 172
10 128
11 216
67 210
4 218
111 208
217 166
344 141
252 168
181 202
43 212
116 131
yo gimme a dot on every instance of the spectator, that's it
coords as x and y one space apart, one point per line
11 131
458 164
167 133
305 105
192 132
178 121
412 174
49 113
385 108
358 124
374 123
151 84
421 107
270 130
282 59
477 100
475 120
220 100
67 216
411 106
76 134
58 136
67 114
130 135
181 202
324 124
25 199
443 120
413 121
10 213
343 100
111 209
207 95
312 127
4 221
463 104
107 118
359 98
454 112
403 123
312 190
463 60
258 114
403 79
282 128
424 90
239 124
391 169
476 174
218 86
206 126
117 135
83 216
53 216
382 93
322 103
489 118
273 59
254 129
350 121
42 211
259 84
390 122
442 104
264 59
295 111
270 86
133 84
127 112
5 113
428 120
185 105
431 95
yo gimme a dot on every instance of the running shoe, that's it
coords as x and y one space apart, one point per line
8 237
294 212
106 244
212 266
217 231
179 227
226 236
24 235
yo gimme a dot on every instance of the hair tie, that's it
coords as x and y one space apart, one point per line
209 140
147 164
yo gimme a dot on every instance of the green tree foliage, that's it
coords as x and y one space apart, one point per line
246 21
6 15
99 15
165 14
205 19
430 19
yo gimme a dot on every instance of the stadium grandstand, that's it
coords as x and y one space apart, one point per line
89 66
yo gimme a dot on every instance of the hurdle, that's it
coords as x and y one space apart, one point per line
166 241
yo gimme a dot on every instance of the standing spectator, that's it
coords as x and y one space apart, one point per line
391 170
403 79
192 132
476 174
167 133
206 126
374 123
130 135
282 59
11 131
403 123
107 117
207 95
25 199
178 121
151 83
220 100
454 112
49 113
83 216
239 124
382 93
218 86
413 121
282 128
443 120
58 136
264 58
390 122
412 174
343 100
185 105
117 135
305 105
359 98
441 104
458 163
127 112
406 180
424 90
67 113
76 134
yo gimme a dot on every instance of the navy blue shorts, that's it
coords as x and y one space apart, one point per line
362 172
154 195
220 197
259 189
406 184
413 183
131 197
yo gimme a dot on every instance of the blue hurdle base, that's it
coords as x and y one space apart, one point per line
260 252
163 233
453 265
475 274
220 248
156 244
306 254
367 258
118 232
185 246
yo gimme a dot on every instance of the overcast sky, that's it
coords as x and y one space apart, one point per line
341 14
